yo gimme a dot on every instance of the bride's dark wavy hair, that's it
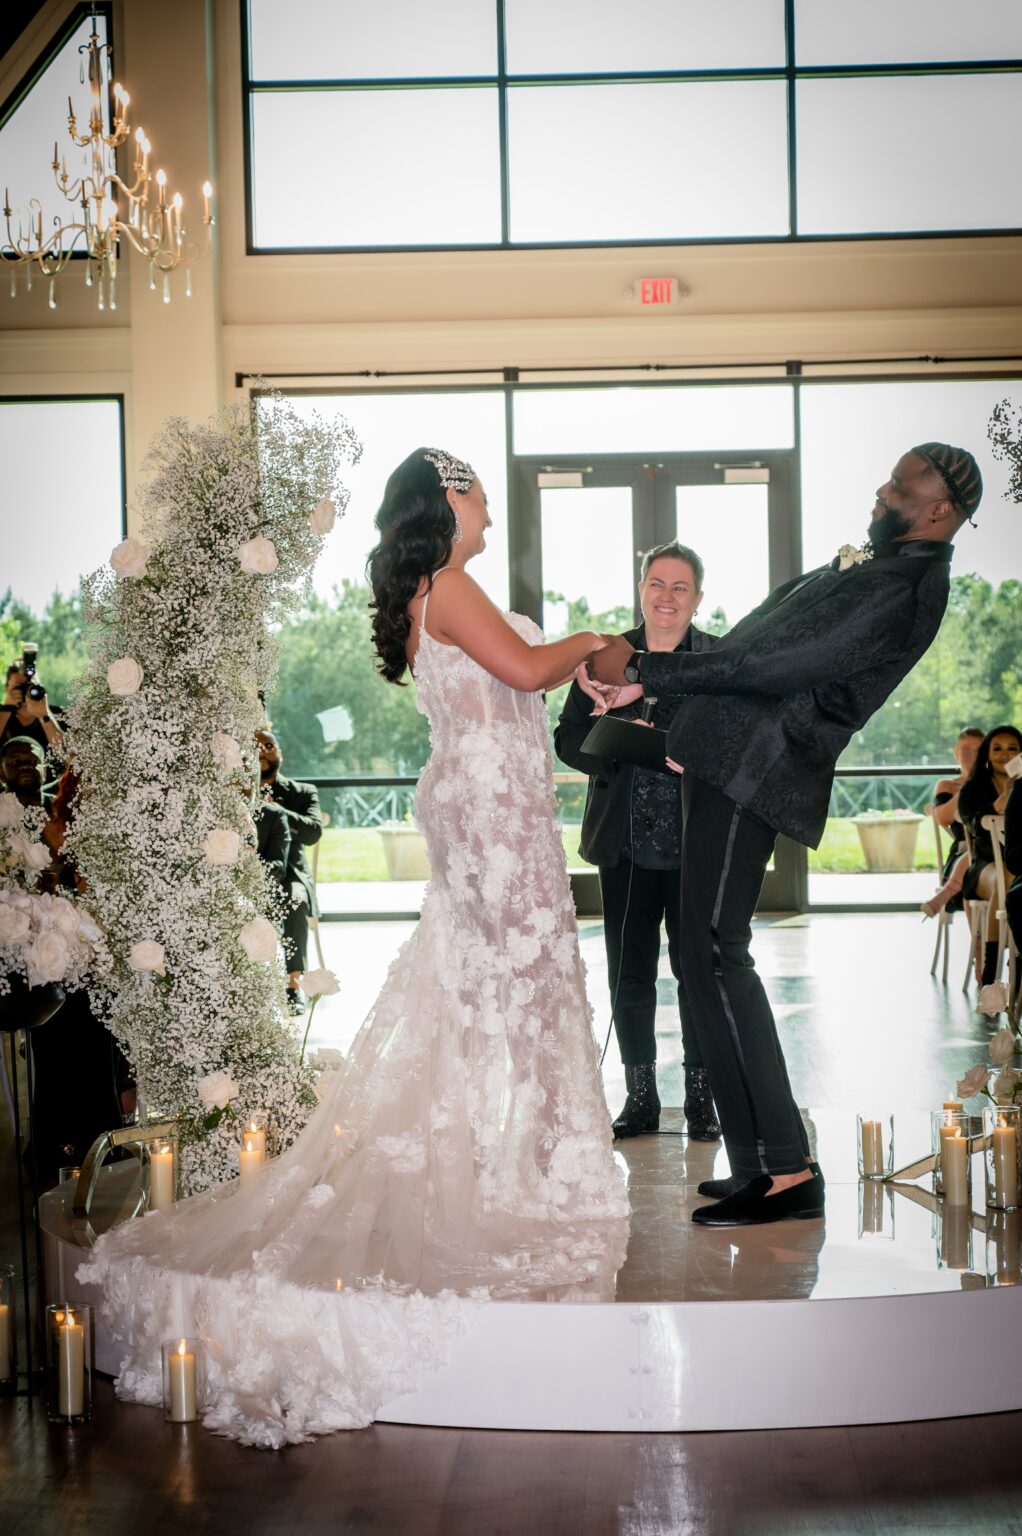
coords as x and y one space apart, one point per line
416 527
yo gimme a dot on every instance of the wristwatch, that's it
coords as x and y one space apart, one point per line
632 668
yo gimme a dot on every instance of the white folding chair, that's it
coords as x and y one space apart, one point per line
1005 938
314 921
944 917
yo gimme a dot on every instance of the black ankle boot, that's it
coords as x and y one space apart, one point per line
989 964
700 1114
641 1114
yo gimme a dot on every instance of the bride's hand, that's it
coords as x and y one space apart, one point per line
600 693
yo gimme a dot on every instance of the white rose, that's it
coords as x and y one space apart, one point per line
88 928
64 916
49 955
124 676
221 846
1006 1083
258 939
11 811
226 751
318 983
974 1081
33 855
147 955
323 516
1002 1047
846 557
258 556
15 926
129 558
992 1000
217 1089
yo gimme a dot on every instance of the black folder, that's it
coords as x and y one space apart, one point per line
628 742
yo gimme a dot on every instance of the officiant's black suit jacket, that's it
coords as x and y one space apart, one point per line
766 712
606 823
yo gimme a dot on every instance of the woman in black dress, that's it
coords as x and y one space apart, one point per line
985 793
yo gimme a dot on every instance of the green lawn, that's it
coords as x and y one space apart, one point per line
357 854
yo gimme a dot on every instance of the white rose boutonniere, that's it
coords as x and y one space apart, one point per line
849 555
227 753
258 556
221 846
130 558
124 676
258 939
147 955
323 516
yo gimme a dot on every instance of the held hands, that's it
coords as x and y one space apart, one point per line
605 695
607 665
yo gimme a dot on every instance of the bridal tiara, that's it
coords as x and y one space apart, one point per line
454 473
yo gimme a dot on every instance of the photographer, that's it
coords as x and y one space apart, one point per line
25 710
300 803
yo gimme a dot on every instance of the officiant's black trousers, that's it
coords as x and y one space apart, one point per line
724 854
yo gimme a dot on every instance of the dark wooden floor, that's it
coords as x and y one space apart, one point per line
129 1472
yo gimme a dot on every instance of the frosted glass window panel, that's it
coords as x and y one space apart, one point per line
576 37
882 421
390 426
75 519
39 121
660 419
909 153
716 521
660 161
375 168
906 31
353 40
586 550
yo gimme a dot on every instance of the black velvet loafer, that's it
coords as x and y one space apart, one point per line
752 1205
719 1189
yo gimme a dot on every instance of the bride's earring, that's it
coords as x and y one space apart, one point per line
457 529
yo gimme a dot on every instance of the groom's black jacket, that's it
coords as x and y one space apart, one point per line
767 711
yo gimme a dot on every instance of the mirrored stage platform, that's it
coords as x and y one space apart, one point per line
893 1307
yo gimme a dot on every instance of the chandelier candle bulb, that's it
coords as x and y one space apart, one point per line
954 1155
161 1177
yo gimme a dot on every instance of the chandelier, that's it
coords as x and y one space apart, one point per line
111 209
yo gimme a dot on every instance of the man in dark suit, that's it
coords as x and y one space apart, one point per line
631 829
763 718
300 804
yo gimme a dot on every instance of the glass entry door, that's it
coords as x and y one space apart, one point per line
583 526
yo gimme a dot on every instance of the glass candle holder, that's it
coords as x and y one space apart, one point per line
1004 1248
162 1166
69 1362
876 1210
8 1332
876 1145
956 1126
1002 1157
256 1133
68 1175
251 1153
184 1380
954 1236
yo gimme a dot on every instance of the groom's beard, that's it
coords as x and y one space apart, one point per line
891 525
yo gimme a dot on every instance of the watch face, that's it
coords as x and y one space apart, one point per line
631 672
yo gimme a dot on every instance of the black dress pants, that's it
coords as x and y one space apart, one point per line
724 854
635 902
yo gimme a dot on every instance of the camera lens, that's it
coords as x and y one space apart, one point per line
35 691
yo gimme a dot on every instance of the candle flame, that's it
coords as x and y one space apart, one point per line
248 1144
181 1347
339 1284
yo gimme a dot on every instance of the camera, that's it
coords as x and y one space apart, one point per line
29 653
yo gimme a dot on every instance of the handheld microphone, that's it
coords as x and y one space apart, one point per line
648 706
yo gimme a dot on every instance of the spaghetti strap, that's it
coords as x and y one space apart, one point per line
425 601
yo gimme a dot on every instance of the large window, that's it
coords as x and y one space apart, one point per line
590 122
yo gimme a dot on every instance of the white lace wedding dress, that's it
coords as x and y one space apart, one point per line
462 1154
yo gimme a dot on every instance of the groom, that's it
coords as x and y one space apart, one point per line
764 716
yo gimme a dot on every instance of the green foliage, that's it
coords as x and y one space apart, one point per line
58 634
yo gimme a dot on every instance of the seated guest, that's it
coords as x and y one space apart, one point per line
945 812
21 715
631 830
985 793
1013 860
300 804
272 834
22 769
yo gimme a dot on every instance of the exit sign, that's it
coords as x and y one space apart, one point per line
655 293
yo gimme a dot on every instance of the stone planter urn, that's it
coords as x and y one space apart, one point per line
888 842
404 849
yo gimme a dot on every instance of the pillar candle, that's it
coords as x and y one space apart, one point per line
161 1178
954 1158
182 1385
250 1159
1007 1236
70 1367
872 1148
5 1341
256 1136
952 1106
1005 1156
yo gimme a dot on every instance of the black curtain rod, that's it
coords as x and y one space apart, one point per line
792 368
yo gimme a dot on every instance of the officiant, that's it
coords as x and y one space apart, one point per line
631 830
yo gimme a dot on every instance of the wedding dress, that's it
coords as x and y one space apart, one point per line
462 1154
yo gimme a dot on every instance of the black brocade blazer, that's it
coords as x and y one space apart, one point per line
605 821
765 714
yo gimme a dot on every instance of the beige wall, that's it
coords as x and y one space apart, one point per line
528 309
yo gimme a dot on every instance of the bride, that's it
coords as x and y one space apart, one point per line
464 1153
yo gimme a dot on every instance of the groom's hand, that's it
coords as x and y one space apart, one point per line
607 665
